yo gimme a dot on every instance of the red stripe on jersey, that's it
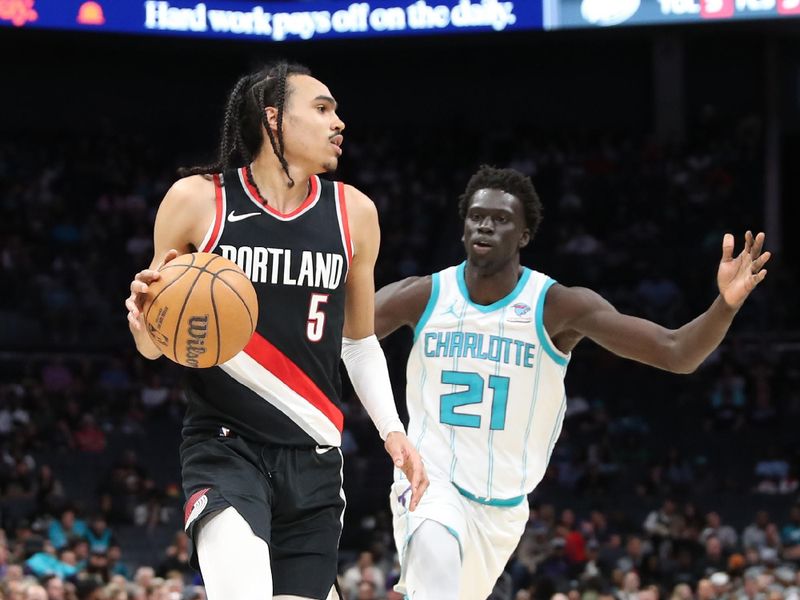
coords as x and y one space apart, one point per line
255 194
345 224
218 216
277 363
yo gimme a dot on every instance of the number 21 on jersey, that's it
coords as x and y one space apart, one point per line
474 394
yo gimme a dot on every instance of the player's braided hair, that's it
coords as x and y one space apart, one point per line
510 181
241 137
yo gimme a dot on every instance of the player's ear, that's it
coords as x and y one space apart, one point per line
272 117
525 239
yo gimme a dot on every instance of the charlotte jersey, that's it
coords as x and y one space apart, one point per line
485 388
284 387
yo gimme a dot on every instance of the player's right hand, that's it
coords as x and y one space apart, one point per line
135 302
407 459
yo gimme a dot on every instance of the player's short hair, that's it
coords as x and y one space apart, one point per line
509 181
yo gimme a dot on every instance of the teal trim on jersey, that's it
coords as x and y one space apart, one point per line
426 314
530 421
503 302
507 502
559 424
423 378
540 331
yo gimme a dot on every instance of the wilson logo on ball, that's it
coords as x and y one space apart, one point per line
196 340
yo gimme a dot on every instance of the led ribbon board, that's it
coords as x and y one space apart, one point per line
560 14
274 21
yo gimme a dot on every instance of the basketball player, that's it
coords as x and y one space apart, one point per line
485 381
261 464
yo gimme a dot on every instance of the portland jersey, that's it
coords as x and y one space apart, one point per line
485 388
284 387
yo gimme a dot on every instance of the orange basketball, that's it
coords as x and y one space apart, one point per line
202 311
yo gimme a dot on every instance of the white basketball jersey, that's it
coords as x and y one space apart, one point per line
485 388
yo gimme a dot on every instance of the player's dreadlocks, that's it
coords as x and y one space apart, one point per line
510 181
244 115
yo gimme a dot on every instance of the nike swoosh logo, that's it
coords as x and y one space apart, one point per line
233 217
323 449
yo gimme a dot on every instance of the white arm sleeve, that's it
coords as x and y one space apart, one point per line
366 365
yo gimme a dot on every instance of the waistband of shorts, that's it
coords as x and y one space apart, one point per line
226 432
501 502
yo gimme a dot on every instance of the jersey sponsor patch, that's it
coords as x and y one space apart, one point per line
520 313
194 506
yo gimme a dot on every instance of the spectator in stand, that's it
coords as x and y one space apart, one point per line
66 527
633 556
177 557
714 559
46 562
724 533
363 570
367 591
755 534
116 566
98 534
790 535
49 491
661 525
729 400
555 567
155 394
774 473
54 586
630 587
90 437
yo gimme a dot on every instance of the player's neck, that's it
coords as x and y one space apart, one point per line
488 286
273 184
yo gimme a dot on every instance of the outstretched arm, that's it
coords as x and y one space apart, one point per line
573 313
401 303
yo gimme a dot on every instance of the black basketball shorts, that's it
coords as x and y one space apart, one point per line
291 497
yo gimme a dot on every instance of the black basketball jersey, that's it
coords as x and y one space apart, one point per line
284 387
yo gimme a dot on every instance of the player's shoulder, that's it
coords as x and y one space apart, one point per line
402 302
192 193
564 304
416 285
361 210
356 199
192 186
408 292
558 293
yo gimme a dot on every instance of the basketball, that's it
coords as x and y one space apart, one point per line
202 311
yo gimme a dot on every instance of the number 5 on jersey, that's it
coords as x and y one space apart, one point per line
315 326
473 395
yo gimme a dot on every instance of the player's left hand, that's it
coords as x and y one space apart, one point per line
406 458
739 276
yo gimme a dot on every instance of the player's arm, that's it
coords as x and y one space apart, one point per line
401 303
184 215
362 354
578 312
